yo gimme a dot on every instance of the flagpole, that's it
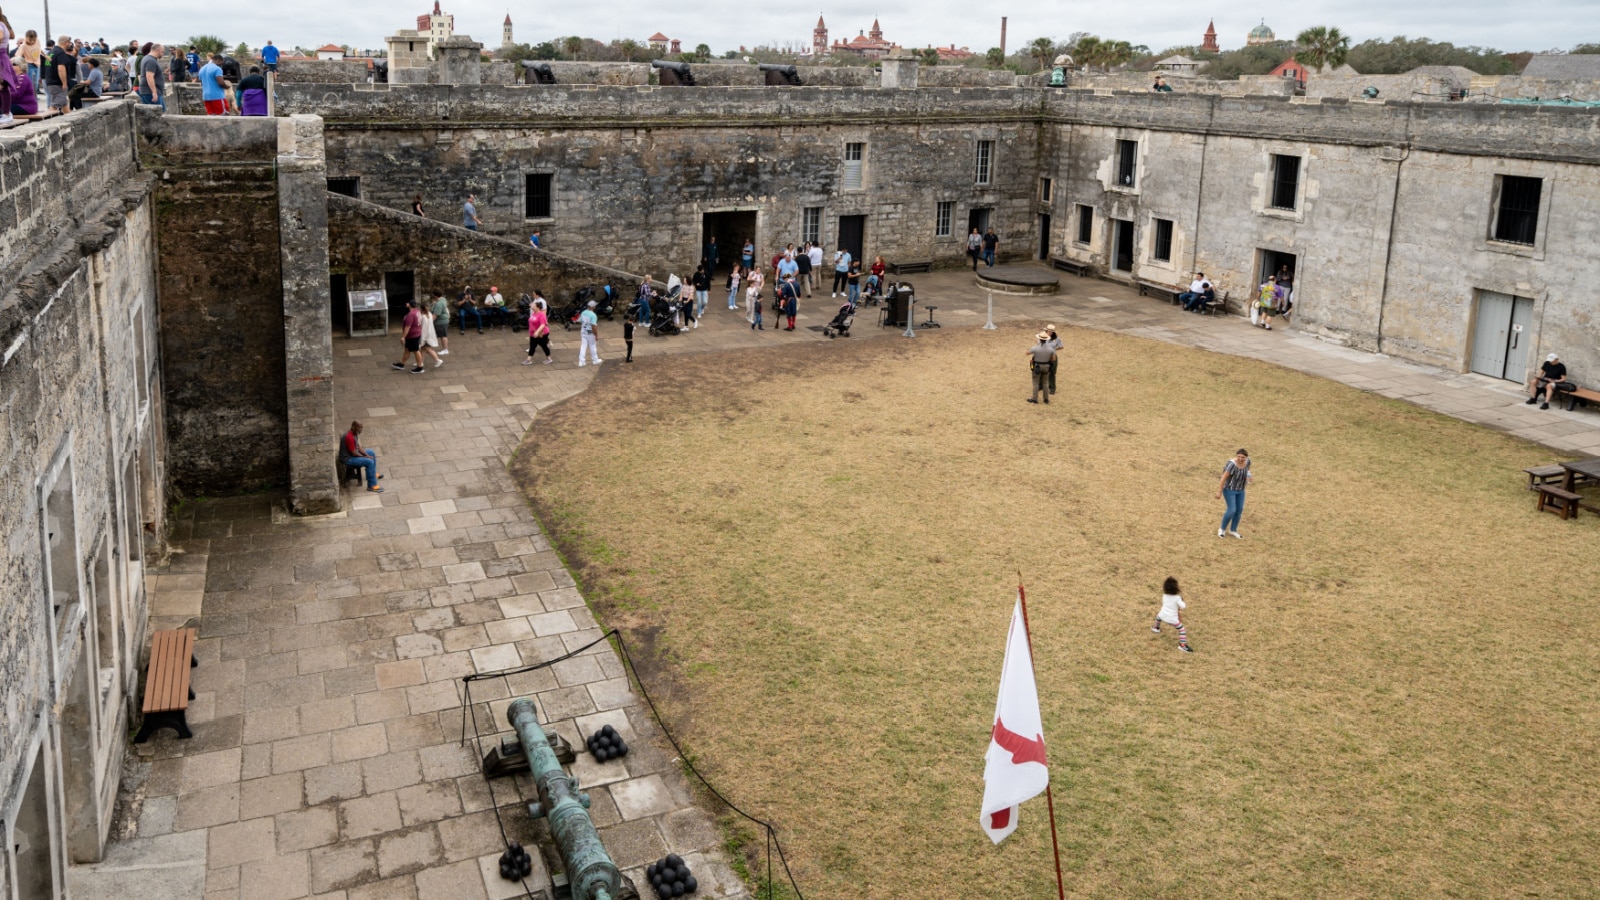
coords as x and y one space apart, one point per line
1049 799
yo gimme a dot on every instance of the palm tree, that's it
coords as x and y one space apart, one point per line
1088 51
702 52
206 44
995 57
627 47
1321 46
573 46
1044 50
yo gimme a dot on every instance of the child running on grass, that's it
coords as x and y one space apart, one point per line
1171 602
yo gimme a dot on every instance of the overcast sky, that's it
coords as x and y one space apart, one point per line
725 26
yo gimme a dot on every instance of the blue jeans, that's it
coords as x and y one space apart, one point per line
146 99
1188 298
461 318
701 298
988 257
369 463
733 297
1235 501
644 312
33 76
855 295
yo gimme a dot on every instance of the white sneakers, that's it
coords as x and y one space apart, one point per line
444 352
1221 533
528 361
1236 534
437 363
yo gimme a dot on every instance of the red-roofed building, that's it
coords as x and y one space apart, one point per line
658 42
952 54
330 51
1291 69
870 45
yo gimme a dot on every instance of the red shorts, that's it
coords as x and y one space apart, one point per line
216 107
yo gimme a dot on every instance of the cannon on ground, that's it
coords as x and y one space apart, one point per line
535 72
674 73
779 76
589 869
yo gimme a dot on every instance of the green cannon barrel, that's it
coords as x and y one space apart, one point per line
590 871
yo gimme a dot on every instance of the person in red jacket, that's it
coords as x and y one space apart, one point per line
353 455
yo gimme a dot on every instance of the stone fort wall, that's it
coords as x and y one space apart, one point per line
635 170
83 494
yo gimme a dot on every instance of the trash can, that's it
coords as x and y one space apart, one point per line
896 305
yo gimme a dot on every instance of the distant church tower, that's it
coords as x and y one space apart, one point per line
1209 43
506 40
819 39
876 33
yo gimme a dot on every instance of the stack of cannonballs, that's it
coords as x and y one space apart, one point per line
670 877
515 863
607 745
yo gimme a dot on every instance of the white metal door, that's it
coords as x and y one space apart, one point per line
1491 336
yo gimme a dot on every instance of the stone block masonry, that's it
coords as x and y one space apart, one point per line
81 497
367 240
222 328
307 340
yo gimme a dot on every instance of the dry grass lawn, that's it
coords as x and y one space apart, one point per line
1394 693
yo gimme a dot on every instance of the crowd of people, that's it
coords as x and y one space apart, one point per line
66 72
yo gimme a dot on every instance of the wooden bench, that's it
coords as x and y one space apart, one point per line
1538 475
1145 287
166 687
1218 305
1555 499
1080 269
901 268
1578 396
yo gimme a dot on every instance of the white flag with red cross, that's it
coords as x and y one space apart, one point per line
1015 768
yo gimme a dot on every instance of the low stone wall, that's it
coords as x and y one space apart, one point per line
1400 88
317 71
366 240
1491 89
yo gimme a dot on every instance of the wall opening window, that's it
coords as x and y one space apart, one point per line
1047 190
980 218
1162 251
1122 256
985 162
349 186
1127 162
811 225
537 187
853 155
1516 218
1085 224
1285 181
941 222
61 547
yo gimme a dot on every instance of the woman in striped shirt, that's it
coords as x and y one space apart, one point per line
1235 478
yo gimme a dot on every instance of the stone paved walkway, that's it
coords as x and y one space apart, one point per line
328 699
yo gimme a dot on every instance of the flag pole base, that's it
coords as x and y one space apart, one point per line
989 325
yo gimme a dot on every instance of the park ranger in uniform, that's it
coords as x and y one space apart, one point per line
1041 357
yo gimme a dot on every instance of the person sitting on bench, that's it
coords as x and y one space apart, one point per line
355 456
1552 377
1194 298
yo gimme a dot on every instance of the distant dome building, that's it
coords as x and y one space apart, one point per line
1260 34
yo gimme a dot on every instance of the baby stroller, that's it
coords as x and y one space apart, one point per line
605 306
873 291
524 310
568 314
840 326
664 313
